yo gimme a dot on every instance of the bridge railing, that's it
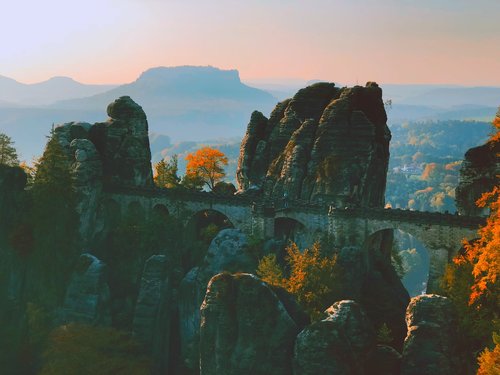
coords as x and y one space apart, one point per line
271 206
421 217
180 193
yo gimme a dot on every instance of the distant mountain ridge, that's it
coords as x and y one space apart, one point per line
196 103
196 85
46 92
185 103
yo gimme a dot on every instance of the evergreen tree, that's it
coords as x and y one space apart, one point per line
55 222
8 154
165 175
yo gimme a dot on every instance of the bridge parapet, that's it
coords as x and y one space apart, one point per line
182 194
418 217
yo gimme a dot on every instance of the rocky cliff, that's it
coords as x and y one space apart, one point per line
478 174
326 143
122 146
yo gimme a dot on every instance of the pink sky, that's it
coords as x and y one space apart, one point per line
389 41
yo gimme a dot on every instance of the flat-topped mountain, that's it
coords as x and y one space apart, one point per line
188 103
177 89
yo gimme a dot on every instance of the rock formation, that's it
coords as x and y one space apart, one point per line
431 344
154 312
229 251
338 344
370 279
478 174
245 328
112 152
325 144
87 295
122 146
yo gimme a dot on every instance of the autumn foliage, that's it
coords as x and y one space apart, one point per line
472 281
207 164
484 253
311 277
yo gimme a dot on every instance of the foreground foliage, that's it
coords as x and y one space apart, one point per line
472 281
80 350
8 154
310 276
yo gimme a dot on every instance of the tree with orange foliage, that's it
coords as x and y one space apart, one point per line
472 280
484 253
313 278
207 165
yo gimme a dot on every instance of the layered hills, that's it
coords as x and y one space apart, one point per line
47 92
187 103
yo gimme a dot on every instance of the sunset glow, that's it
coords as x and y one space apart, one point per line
390 41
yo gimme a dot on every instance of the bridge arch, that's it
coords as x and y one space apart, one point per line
161 211
442 242
289 229
199 231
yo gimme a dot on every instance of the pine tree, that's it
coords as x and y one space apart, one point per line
8 154
55 222
165 175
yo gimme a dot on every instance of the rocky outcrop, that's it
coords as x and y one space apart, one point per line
431 344
154 312
325 144
229 251
371 280
87 295
123 144
338 344
245 328
478 174
112 152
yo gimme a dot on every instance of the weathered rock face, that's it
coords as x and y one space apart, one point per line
116 151
478 174
245 329
325 143
371 280
382 294
228 252
431 344
123 144
338 344
87 296
154 312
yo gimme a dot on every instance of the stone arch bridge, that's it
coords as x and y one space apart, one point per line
442 234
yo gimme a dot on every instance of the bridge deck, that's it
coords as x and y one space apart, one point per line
260 203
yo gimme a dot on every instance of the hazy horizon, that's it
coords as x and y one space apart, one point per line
388 41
